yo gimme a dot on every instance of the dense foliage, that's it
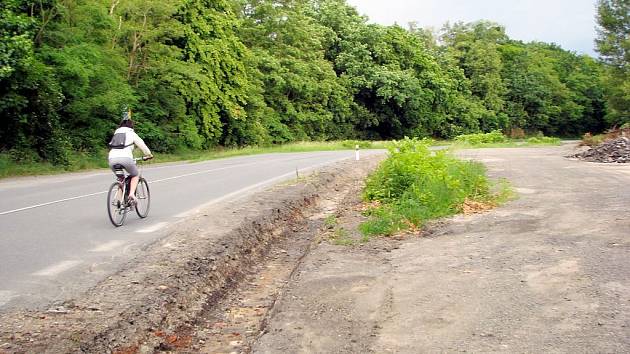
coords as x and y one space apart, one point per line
200 73
613 43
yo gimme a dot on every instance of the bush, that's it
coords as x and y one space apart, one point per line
592 140
544 140
415 184
351 144
495 136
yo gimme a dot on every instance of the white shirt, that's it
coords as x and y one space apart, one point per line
132 139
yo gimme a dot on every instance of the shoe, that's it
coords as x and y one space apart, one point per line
132 201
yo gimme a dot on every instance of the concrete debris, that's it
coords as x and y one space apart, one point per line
612 151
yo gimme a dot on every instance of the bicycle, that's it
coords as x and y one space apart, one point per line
118 204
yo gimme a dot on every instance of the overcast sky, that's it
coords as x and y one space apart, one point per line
569 23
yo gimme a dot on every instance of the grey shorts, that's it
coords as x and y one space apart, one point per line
128 164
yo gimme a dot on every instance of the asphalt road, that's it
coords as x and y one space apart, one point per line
56 239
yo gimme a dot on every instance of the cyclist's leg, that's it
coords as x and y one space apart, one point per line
132 187
130 166
132 169
115 166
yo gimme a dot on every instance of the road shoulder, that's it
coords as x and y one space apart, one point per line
150 301
545 273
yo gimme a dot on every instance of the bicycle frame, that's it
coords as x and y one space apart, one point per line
118 204
123 176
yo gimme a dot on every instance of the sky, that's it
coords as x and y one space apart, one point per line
568 23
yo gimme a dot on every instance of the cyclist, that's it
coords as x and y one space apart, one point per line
121 153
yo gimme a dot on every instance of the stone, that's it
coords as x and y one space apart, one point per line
612 151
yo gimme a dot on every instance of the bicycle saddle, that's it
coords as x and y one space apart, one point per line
118 169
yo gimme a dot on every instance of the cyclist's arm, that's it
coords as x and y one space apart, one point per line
141 145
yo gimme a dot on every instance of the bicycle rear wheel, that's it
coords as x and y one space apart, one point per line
143 198
115 205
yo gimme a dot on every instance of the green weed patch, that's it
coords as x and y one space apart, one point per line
496 136
496 139
416 184
544 140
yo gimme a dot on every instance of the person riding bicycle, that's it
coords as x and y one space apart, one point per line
121 153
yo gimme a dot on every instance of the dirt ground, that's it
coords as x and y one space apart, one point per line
158 301
547 272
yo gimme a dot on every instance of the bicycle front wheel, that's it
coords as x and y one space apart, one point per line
143 198
115 205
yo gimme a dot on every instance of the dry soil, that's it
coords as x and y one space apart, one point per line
548 272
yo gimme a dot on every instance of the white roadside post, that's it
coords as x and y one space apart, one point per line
356 152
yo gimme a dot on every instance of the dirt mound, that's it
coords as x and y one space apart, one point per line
616 150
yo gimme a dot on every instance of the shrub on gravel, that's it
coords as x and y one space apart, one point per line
592 140
495 136
416 184
543 140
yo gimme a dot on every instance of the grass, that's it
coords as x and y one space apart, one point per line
84 161
503 192
496 139
81 161
415 185
512 143
543 140
341 237
593 140
285 148
331 221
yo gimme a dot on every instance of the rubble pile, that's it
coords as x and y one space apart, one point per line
616 150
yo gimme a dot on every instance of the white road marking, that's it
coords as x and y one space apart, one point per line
242 192
204 171
49 203
108 246
152 228
57 268
150 182
6 296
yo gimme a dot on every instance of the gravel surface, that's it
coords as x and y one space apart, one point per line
548 272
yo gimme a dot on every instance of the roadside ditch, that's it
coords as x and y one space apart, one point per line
173 296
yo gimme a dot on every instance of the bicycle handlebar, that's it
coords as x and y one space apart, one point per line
143 158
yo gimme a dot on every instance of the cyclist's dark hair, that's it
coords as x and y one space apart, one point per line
128 123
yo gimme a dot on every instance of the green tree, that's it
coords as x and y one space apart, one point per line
398 86
76 45
215 93
475 47
201 73
613 44
301 89
551 90
30 96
